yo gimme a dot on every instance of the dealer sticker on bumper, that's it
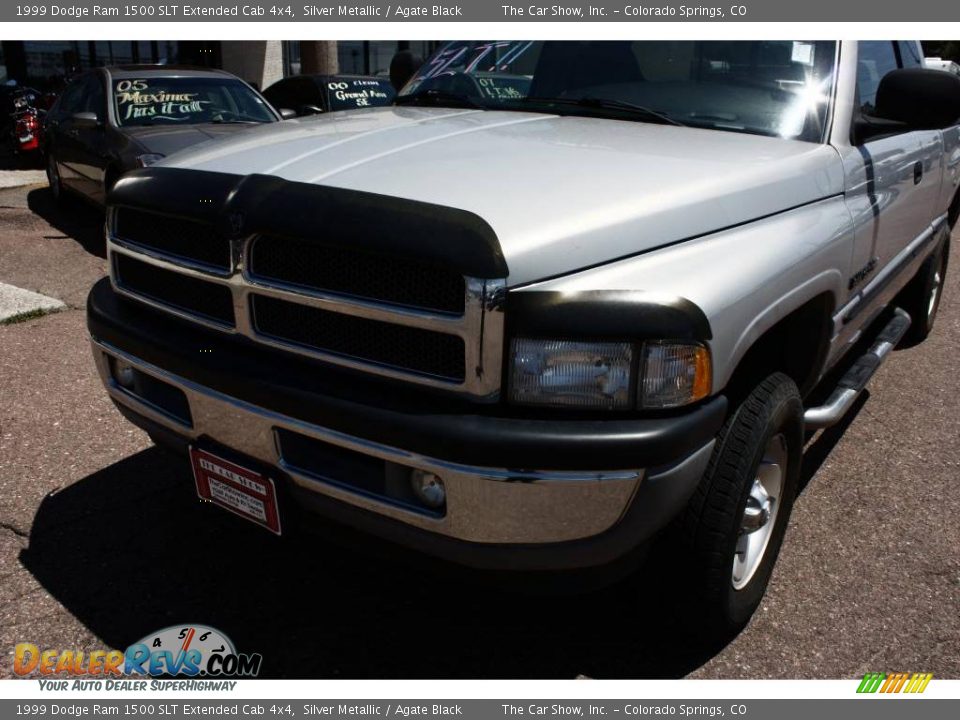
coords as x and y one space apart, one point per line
242 491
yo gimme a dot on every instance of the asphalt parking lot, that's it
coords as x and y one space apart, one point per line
102 540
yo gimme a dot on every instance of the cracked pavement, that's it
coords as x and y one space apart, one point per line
102 541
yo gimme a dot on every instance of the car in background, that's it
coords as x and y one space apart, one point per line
21 117
111 120
935 63
314 94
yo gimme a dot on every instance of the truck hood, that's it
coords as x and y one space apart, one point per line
561 193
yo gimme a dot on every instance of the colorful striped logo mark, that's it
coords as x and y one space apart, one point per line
894 682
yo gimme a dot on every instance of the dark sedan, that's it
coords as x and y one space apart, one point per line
111 120
312 94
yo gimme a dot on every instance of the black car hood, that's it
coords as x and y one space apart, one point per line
166 139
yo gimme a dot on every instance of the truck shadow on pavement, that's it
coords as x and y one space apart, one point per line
73 217
129 550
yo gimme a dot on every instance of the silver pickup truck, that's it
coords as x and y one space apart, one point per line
561 297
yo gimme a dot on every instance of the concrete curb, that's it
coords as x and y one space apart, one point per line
15 302
19 178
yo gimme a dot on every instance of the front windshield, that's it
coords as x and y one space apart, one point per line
777 88
186 100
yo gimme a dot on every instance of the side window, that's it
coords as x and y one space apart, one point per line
875 59
307 92
246 102
71 101
94 97
285 94
278 94
909 54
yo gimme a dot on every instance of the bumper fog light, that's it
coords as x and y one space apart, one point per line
124 374
428 488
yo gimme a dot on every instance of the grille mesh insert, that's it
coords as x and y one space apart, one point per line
188 239
349 271
209 300
413 349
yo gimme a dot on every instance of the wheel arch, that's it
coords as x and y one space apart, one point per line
796 345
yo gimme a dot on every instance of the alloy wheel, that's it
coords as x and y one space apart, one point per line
760 512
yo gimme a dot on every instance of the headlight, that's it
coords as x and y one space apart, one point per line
600 375
148 159
572 374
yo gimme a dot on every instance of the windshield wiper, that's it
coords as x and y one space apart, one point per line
608 104
439 98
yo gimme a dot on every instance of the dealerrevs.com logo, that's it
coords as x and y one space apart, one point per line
179 650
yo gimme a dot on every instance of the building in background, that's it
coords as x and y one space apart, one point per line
45 64
354 57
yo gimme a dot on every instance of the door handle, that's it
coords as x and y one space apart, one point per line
917 172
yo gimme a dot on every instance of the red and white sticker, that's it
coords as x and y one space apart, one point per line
242 491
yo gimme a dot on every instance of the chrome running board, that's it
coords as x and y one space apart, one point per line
856 378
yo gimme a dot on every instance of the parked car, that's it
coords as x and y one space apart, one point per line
313 94
935 63
26 132
533 332
22 110
111 120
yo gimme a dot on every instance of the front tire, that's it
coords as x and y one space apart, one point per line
734 524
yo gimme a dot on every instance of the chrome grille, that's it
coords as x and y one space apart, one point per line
331 316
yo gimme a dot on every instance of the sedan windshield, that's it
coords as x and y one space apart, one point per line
186 100
777 88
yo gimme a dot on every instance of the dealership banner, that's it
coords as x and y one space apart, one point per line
482 11
335 709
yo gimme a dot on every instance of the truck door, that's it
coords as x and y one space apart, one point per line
892 182
930 185
950 187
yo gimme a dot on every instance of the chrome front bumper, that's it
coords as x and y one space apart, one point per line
484 504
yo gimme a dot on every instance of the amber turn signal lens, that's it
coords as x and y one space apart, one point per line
673 374
703 374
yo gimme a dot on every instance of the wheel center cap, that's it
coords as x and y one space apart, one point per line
756 514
